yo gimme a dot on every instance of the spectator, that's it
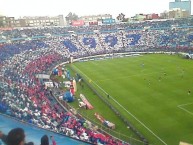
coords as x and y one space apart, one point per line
53 140
15 137
44 140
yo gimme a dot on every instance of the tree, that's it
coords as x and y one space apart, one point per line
125 20
121 17
71 17
164 15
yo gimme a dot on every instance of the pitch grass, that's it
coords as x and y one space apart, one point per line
150 87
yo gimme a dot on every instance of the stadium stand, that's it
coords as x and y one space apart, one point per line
27 52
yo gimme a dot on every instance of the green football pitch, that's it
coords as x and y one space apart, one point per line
154 92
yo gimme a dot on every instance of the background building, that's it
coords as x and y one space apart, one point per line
183 5
139 17
143 17
20 23
7 22
152 16
10 22
95 19
178 13
41 21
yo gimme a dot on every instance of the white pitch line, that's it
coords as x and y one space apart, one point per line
180 106
186 110
185 104
125 110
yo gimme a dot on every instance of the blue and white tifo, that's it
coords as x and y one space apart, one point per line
34 134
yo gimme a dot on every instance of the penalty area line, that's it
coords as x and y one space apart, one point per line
182 108
125 109
184 104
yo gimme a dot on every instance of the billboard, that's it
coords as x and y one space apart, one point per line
8 28
42 76
93 23
108 21
78 23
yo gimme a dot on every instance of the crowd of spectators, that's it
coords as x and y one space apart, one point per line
43 31
23 96
127 40
78 45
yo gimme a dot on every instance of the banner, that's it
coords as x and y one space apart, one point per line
83 98
108 21
93 23
8 28
49 84
42 76
78 23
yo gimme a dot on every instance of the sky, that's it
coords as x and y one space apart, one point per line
19 8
